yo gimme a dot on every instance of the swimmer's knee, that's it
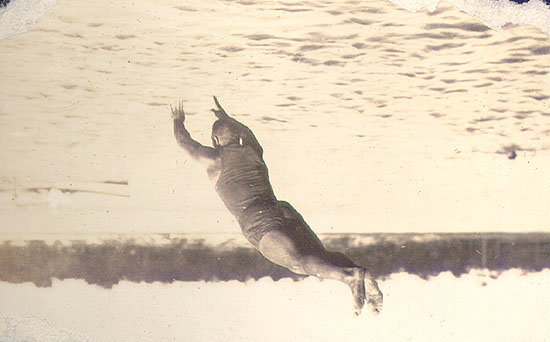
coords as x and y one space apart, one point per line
277 242
278 248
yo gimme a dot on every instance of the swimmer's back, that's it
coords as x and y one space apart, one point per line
243 181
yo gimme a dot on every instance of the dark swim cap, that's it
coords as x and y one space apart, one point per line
225 133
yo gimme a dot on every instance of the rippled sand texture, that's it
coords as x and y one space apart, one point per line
372 118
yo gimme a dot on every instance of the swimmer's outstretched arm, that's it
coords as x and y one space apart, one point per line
247 136
204 154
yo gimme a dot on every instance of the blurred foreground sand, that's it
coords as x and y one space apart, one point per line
474 307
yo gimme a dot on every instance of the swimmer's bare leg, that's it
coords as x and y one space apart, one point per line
205 154
281 250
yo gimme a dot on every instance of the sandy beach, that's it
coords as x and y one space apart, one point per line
514 307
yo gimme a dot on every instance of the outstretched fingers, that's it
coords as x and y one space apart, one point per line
219 112
178 113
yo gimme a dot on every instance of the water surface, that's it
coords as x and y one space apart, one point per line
372 119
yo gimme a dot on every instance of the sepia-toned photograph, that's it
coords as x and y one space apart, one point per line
274 170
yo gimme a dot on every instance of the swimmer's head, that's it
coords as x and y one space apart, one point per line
224 133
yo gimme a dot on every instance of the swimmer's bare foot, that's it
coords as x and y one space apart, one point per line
178 113
374 295
357 286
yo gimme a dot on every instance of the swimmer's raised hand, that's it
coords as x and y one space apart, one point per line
178 113
219 112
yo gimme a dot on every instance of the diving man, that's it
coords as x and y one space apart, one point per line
273 227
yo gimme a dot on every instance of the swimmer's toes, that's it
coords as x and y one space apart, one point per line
375 306
375 297
359 302
357 286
